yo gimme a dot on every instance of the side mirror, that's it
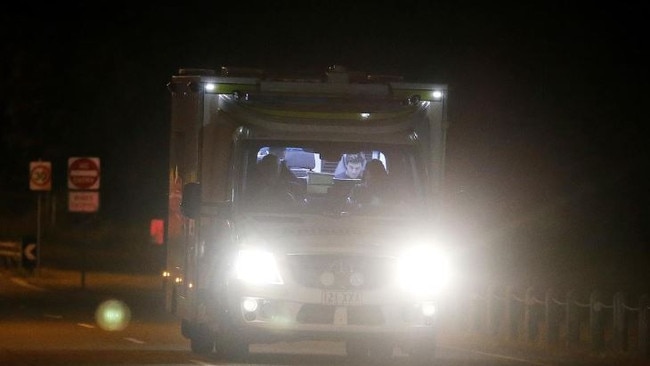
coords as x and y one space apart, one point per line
191 200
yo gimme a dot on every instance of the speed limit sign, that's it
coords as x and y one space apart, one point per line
40 176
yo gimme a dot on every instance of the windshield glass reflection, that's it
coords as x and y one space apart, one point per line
358 180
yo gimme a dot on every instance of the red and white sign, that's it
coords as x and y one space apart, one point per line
40 176
83 173
83 201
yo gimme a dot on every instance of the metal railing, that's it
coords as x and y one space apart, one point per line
617 322
11 253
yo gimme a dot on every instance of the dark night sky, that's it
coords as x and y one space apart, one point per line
548 140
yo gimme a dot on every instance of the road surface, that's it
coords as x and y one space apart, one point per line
102 319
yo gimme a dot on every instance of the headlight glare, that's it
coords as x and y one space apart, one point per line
257 267
423 271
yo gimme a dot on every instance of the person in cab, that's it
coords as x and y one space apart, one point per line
273 184
353 166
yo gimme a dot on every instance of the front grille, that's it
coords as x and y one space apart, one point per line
337 272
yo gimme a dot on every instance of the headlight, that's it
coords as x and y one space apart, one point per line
257 267
423 270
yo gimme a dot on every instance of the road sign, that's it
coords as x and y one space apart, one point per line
40 176
83 173
83 201
30 252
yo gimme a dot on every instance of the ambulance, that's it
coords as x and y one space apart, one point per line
325 260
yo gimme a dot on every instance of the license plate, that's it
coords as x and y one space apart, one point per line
341 298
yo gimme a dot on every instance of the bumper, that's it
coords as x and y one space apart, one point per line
269 315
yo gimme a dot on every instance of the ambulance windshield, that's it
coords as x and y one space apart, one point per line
330 179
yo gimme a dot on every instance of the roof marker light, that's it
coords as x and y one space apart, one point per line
414 99
237 95
437 94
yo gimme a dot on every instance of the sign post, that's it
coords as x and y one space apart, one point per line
83 194
40 179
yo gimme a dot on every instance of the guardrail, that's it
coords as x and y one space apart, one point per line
618 322
11 253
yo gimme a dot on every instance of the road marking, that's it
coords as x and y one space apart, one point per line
496 355
21 282
134 340
201 363
85 325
